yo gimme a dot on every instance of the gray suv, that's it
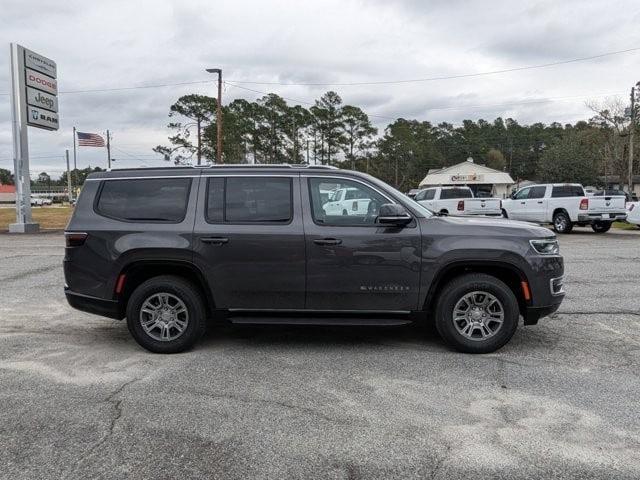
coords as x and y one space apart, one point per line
170 248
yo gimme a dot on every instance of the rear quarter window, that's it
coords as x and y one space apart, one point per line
156 200
560 191
450 193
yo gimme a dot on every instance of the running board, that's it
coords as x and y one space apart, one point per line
331 321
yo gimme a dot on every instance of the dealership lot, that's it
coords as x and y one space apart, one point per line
80 399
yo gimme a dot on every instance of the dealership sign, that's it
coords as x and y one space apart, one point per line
37 89
34 103
467 178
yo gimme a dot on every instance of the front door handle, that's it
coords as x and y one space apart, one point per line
540 202
523 203
215 240
327 241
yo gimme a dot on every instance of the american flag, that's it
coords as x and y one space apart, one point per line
90 140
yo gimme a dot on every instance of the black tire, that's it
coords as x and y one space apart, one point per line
456 290
562 223
601 227
444 212
504 213
178 288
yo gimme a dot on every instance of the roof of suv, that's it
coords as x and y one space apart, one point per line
197 170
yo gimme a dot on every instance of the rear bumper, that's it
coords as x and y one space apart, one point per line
95 305
603 217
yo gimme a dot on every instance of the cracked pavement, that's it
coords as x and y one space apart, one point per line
80 399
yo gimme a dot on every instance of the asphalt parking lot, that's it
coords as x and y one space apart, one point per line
80 399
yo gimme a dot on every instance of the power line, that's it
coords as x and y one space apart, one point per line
346 84
135 87
442 77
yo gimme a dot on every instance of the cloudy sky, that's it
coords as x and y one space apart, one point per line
116 44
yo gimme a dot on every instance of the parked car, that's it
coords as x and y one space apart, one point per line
457 201
37 201
633 213
346 201
170 248
564 205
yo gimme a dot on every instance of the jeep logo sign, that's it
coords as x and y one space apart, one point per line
36 98
41 82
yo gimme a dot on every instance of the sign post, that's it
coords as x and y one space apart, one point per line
34 102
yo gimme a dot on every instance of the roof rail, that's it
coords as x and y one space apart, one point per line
269 165
233 165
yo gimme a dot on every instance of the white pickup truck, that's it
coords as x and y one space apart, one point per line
347 201
457 201
564 205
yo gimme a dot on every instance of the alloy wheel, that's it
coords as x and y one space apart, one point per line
164 317
478 315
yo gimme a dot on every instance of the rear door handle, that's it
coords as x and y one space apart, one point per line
215 240
327 241
540 201
523 203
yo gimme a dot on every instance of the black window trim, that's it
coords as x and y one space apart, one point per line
96 200
224 201
366 225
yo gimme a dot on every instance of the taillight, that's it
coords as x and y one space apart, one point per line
631 206
461 205
584 204
75 239
500 204
354 206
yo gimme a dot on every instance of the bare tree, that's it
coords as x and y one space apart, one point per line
613 121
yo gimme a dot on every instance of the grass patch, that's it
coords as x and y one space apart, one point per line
625 226
47 217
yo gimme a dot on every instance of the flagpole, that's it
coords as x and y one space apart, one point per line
108 152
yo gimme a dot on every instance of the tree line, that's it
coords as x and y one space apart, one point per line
329 132
269 130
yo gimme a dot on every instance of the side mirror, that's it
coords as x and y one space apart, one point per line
393 214
513 195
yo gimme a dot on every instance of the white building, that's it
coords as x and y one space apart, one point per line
480 178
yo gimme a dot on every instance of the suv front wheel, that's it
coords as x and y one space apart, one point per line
166 314
477 313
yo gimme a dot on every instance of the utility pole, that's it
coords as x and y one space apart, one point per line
70 194
218 114
198 122
108 151
632 128
75 162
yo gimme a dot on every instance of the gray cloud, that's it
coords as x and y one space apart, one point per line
123 43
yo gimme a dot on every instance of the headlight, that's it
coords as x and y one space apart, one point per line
545 246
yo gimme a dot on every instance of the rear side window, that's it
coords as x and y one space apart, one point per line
144 200
567 191
449 193
249 200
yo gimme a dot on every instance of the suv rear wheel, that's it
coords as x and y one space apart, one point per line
166 314
477 313
562 223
